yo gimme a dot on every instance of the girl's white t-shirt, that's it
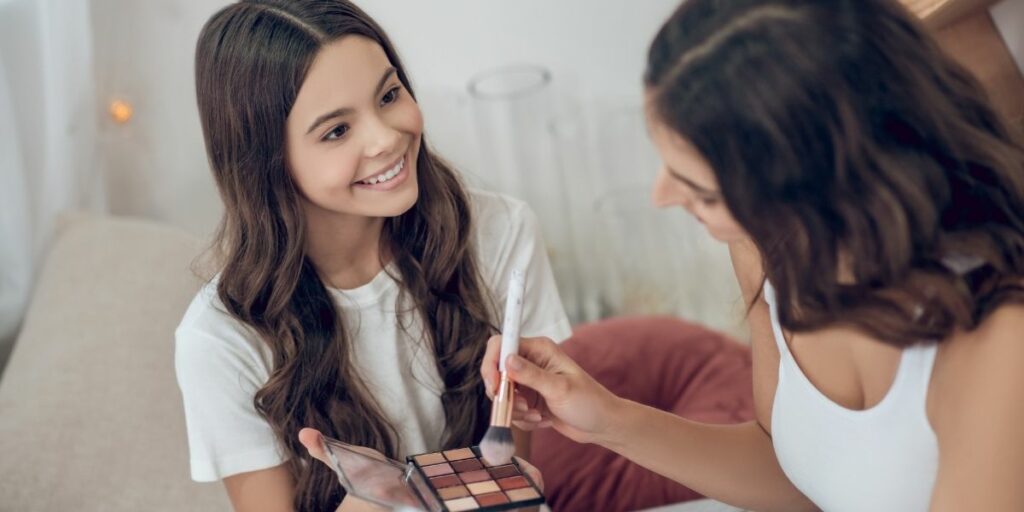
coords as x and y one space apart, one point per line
221 363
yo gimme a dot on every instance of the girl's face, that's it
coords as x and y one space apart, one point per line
685 179
353 135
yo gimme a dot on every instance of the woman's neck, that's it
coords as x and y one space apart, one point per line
346 249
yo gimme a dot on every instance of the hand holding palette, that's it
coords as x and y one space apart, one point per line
447 481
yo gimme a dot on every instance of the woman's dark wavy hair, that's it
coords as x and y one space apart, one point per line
838 130
251 60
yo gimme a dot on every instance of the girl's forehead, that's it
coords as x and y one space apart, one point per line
350 62
345 75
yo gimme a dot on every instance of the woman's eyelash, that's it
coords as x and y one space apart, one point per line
393 93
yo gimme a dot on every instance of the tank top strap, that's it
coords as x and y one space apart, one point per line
773 313
917 362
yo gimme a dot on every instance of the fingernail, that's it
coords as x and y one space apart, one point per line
514 362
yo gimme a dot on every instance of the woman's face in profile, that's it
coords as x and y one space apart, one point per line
685 179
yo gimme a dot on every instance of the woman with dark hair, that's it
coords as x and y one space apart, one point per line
359 279
873 203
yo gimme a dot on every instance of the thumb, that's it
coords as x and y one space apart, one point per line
549 385
313 441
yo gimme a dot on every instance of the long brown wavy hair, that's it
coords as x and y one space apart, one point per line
838 130
251 60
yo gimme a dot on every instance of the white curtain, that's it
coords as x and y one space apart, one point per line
47 138
16 257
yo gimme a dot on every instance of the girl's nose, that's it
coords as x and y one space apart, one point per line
382 139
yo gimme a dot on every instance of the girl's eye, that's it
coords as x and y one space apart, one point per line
709 201
337 132
391 96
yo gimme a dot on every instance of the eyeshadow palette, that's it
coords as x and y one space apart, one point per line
461 480
446 481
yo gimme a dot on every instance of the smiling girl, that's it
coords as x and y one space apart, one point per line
359 279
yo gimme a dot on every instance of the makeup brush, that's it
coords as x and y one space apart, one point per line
497 446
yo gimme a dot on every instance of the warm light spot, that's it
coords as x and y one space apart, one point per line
121 111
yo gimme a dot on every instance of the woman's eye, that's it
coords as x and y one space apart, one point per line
390 96
709 201
337 133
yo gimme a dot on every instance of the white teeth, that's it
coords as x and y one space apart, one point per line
381 178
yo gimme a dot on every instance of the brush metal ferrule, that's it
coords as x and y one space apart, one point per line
501 411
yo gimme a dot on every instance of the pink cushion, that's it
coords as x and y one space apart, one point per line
660 361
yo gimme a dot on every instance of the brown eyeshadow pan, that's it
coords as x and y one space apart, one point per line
429 459
441 482
475 476
459 454
461 504
504 471
525 494
450 493
487 500
463 466
514 482
438 469
485 487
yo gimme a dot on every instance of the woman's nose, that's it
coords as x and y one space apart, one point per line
666 192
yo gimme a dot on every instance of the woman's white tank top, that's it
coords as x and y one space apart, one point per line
878 459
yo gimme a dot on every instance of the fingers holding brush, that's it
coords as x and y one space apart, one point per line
526 417
527 409
489 367
572 402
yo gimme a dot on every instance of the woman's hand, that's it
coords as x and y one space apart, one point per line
563 395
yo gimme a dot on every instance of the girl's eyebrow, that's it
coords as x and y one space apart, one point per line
344 111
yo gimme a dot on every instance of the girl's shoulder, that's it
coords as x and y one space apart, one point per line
207 332
508 237
206 312
505 232
493 211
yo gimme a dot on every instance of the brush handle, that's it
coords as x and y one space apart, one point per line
513 317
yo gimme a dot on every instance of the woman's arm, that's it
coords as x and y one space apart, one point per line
731 463
979 425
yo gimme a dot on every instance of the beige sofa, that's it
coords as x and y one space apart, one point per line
90 413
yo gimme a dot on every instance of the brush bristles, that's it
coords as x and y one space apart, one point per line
497 446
